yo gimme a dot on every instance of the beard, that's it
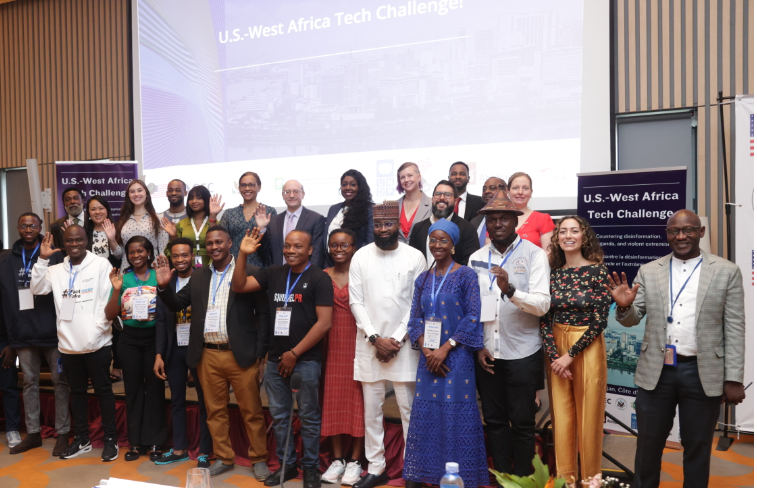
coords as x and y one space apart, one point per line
442 213
387 243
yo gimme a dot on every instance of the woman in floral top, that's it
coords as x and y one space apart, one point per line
575 346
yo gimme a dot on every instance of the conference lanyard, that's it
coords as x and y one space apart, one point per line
434 290
197 234
492 277
673 302
27 267
139 283
71 280
289 290
215 288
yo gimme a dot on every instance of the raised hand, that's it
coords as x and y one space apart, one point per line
250 242
215 206
168 226
262 217
65 225
116 279
623 294
162 272
46 248
503 279
109 229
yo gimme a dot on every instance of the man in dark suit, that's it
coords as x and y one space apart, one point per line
492 186
73 202
465 205
228 337
296 217
442 203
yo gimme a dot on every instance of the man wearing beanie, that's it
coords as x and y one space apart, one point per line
382 277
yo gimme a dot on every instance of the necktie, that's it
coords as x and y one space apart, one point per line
76 220
289 228
457 204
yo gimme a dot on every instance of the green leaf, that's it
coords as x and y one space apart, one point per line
541 472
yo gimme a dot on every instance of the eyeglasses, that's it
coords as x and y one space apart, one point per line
445 194
243 186
383 225
28 226
688 231
343 246
443 242
290 192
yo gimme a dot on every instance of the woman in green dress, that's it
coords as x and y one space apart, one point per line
202 210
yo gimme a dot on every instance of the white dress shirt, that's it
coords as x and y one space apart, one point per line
514 333
683 330
461 205
381 294
295 216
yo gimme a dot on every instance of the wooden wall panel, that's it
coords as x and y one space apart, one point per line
64 82
703 47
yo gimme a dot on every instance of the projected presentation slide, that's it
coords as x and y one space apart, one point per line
309 89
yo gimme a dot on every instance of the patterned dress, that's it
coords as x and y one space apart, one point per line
233 219
343 411
100 244
445 423
578 299
143 227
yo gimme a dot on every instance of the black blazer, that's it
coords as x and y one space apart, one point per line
364 237
467 245
310 221
473 204
165 327
247 317
56 229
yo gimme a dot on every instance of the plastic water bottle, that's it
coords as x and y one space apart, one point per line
451 479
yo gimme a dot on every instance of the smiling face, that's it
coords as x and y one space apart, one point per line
501 226
491 187
570 236
440 244
249 188
293 194
349 188
685 245
341 248
72 203
520 191
458 175
175 192
443 201
138 255
181 256
97 212
410 178
297 248
217 244
137 194
196 203
29 229
75 243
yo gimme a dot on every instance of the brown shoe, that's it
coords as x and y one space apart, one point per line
60 444
30 442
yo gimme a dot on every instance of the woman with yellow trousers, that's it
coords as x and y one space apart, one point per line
575 347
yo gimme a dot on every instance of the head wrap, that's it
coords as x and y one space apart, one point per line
500 203
449 228
389 210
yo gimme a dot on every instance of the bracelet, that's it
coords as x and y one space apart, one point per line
295 354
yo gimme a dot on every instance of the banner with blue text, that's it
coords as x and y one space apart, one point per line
105 178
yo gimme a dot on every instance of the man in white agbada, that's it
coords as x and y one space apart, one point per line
382 277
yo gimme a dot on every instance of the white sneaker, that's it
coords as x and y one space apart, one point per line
335 471
352 473
14 438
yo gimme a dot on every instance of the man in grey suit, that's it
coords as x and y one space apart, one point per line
692 355
296 217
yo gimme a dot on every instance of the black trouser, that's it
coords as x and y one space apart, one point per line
145 392
176 372
95 366
507 402
655 410
10 394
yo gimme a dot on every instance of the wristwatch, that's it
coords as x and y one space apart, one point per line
373 338
453 343
509 293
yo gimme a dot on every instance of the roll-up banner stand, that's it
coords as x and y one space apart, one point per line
629 211
105 178
744 234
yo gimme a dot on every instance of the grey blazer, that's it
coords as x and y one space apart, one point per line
719 316
423 212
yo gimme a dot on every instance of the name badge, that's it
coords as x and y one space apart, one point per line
670 355
283 317
140 308
25 299
67 309
213 320
488 306
198 261
182 334
432 333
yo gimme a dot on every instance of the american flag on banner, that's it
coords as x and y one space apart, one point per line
157 191
751 135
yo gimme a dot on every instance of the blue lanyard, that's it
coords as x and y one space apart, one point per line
27 267
71 280
215 288
434 290
673 302
289 290
491 277
139 283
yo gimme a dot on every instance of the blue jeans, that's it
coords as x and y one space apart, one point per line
309 410
9 388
